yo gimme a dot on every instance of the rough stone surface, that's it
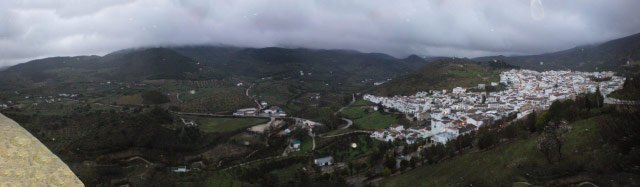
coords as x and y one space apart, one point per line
25 161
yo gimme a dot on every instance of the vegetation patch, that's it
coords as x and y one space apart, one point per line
362 102
519 160
212 125
219 99
445 74
354 112
376 120
154 98
630 90
130 100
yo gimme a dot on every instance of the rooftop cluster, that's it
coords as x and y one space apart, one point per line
462 111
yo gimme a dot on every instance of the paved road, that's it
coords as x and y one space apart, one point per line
313 139
349 122
178 97
353 100
216 115
347 133
139 158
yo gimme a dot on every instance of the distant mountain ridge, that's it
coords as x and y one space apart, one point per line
216 62
137 64
621 55
330 66
611 55
283 62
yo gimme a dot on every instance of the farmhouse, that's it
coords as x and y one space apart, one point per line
324 161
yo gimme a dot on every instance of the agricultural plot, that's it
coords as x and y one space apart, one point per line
221 125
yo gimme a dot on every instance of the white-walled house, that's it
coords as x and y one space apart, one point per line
443 137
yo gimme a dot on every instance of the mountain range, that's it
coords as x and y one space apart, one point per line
338 68
329 66
617 55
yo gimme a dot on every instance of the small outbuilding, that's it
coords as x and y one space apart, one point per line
324 161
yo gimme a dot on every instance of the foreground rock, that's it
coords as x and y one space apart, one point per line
25 161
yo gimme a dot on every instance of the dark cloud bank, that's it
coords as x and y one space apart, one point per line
40 28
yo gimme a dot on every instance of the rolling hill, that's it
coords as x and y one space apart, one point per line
213 62
329 66
611 55
151 63
443 74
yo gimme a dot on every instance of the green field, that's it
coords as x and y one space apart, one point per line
369 120
354 112
375 120
211 125
502 166
306 144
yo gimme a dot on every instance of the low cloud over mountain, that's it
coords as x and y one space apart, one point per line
32 29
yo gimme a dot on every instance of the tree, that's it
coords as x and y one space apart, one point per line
435 153
550 144
587 103
404 164
511 131
390 162
270 180
599 98
486 140
386 172
380 108
531 121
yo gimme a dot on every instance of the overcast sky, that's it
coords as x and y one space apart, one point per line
32 29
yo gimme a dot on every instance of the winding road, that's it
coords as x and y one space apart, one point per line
246 92
178 98
346 133
349 122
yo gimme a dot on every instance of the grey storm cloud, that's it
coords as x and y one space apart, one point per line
32 29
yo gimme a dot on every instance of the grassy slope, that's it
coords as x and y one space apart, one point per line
440 75
498 166
373 120
354 112
306 144
210 125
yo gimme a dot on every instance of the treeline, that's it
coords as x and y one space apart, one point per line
87 132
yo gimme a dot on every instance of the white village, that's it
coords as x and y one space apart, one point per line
462 111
